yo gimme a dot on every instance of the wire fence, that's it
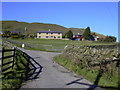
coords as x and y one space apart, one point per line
42 47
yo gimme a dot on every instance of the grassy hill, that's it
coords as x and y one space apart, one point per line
32 28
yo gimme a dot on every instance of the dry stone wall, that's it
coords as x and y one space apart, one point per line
104 58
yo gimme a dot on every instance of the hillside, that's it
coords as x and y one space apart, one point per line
32 28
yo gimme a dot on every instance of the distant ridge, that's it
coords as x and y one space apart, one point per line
32 28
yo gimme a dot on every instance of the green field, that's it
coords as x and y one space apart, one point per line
51 44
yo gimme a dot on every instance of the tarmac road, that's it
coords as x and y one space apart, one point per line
54 75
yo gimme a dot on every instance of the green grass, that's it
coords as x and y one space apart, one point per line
58 46
90 75
13 80
61 42
52 44
7 60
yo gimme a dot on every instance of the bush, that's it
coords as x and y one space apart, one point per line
108 39
69 34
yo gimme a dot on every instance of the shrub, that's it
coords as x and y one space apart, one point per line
108 39
69 34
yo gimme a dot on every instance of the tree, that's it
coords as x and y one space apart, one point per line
87 33
69 34
6 34
32 36
93 33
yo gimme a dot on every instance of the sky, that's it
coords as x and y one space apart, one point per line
60 0
118 22
101 17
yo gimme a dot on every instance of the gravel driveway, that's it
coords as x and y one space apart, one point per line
53 75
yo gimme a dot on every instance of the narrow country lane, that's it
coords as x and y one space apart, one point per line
53 75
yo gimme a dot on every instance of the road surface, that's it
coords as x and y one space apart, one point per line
53 75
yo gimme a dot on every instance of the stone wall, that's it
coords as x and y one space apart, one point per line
101 57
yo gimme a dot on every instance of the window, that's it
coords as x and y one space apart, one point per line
46 33
51 33
39 36
58 33
39 33
58 36
46 36
51 36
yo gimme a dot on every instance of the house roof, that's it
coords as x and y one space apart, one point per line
78 34
14 31
49 32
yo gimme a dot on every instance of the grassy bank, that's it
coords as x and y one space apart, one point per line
90 75
82 61
15 76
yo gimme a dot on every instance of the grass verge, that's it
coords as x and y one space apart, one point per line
90 75
14 77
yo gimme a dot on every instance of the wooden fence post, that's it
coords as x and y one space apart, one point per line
14 50
2 54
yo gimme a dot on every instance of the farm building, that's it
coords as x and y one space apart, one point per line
78 37
15 32
97 37
49 34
